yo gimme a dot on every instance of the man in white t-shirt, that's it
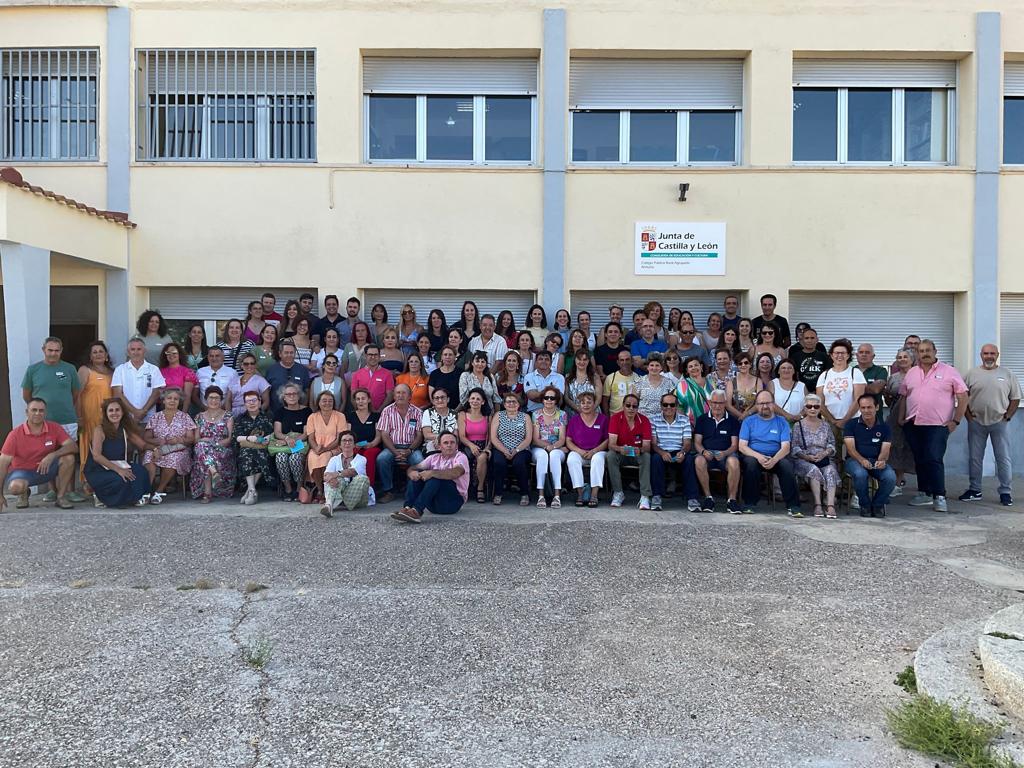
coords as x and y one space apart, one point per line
138 383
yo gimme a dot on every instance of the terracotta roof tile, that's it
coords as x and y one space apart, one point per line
14 178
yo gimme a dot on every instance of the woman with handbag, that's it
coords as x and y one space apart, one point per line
814 445
288 448
115 481
173 433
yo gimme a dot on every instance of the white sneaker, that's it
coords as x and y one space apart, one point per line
617 498
854 502
940 504
645 503
921 500
656 503
693 505
326 510
897 491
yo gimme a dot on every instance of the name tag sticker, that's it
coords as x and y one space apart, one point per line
723 432
876 439
48 444
773 431
938 375
59 374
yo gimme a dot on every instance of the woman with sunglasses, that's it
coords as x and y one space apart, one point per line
331 346
329 381
745 386
673 365
769 343
250 380
814 445
549 445
408 330
414 377
587 442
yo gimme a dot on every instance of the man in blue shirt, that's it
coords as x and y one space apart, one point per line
647 343
764 445
868 442
540 377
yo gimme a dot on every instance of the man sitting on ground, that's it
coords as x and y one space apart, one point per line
438 484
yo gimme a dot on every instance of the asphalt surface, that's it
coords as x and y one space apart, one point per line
497 637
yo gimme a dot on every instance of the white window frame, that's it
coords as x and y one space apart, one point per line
479 132
898 128
682 141
1002 159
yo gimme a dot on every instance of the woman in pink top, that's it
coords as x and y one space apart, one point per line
439 483
176 373
475 436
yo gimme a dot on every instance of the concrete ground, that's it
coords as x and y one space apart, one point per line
497 637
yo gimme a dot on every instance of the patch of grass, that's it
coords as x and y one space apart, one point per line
205 584
252 586
80 584
258 654
185 587
948 733
907 679
1004 636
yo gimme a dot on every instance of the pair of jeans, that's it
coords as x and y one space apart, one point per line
441 497
576 464
520 468
386 467
615 462
886 478
928 444
783 470
978 436
685 469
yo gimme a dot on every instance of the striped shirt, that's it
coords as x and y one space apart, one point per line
402 431
671 436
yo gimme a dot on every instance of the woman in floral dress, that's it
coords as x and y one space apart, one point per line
214 473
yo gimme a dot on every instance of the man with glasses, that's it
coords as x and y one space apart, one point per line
768 303
764 447
285 371
670 453
629 442
687 347
399 427
216 373
868 442
647 343
378 381
716 440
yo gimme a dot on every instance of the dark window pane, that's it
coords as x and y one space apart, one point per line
508 128
815 123
595 137
450 128
869 122
652 137
1013 130
712 137
392 127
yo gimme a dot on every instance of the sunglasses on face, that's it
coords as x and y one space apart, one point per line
630 406
767 333
549 397
668 405
812 407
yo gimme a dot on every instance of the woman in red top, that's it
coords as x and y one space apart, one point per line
629 442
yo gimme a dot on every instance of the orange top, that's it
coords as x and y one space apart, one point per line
420 390
325 432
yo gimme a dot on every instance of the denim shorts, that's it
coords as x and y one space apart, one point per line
32 477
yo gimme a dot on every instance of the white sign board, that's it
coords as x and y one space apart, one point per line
679 248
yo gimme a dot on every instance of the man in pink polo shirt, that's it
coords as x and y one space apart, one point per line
376 380
933 403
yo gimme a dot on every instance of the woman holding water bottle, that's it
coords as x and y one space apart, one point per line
549 444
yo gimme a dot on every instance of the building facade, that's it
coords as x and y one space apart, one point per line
867 164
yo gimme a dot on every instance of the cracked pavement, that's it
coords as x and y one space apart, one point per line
499 637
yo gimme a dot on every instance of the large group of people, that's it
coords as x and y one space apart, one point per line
324 409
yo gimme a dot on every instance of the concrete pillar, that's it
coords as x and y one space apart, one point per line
555 61
118 318
117 99
26 272
989 58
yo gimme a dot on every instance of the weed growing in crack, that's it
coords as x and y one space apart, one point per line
939 730
205 584
907 679
253 586
258 654
1004 636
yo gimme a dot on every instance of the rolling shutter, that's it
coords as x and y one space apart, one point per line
476 77
449 302
655 84
872 73
700 303
883 319
1011 332
215 303
1013 78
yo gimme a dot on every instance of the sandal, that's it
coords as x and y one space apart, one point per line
206 498
143 501
593 502
556 502
542 502
579 498
496 501
157 498
817 511
524 500
481 497
831 511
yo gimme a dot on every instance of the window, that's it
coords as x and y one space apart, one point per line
671 112
48 103
244 105
895 113
444 110
1013 113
